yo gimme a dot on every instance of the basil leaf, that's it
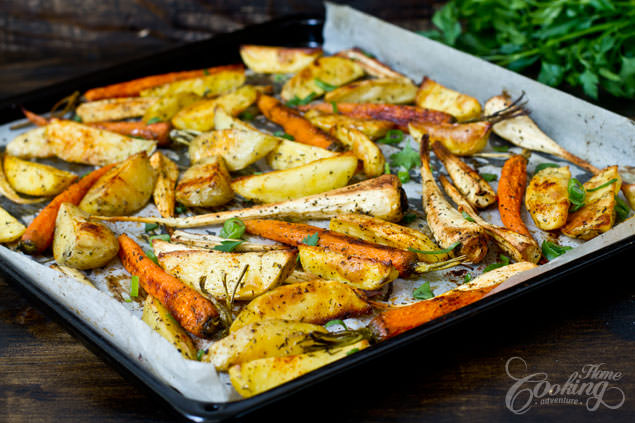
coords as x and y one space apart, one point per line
504 262
149 227
542 166
551 250
423 292
577 194
233 228
228 246
489 177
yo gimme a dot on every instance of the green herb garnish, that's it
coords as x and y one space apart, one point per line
296 101
199 354
606 184
336 322
542 166
353 351
279 77
501 148
150 254
233 228
334 106
154 120
403 176
311 240
423 292
386 169
324 85
205 72
444 251
228 246
76 118
149 227
246 115
467 216
577 194
163 237
409 218
504 262
407 158
393 136
134 286
489 177
551 250
622 210
367 54
180 208
467 278
282 134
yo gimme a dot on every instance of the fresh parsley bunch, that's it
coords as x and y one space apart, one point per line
585 43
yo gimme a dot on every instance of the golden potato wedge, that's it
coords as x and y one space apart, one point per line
372 128
81 243
166 174
268 338
265 269
238 147
35 178
32 144
74 142
199 116
381 232
260 375
114 108
159 319
358 272
205 184
379 90
266 59
312 302
370 64
211 85
312 178
332 70
598 213
123 190
462 139
7 190
432 95
547 198
10 228
166 107
363 148
289 154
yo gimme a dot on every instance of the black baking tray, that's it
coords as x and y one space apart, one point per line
297 30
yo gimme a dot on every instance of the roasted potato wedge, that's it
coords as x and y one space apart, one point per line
381 232
166 107
547 198
372 128
35 178
370 65
159 319
123 190
32 144
257 376
199 116
10 228
166 174
598 213
205 184
205 270
363 148
312 302
462 139
312 178
114 109
332 70
379 90
432 95
266 59
74 142
268 338
358 272
238 147
289 154
81 243
216 83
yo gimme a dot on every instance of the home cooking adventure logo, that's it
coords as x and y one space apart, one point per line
593 386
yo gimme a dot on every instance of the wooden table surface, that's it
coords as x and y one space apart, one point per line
46 375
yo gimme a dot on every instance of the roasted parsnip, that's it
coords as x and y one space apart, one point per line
211 241
205 184
266 59
432 95
114 108
547 198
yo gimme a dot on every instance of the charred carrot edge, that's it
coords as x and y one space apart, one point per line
294 124
159 131
511 189
39 234
133 88
193 311
294 233
394 321
34 118
398 114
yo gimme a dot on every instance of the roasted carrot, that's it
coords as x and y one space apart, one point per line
133 88
193 311
511 189
39 234
295 124
34 118
399 115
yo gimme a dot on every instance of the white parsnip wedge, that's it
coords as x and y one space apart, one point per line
312 178
36 178
166 174
547 198
257 376
32 144
363 148
74 142
211 85
76 274
288 154
380 90
523 132
268 338
372 128
219 274
114 108
10 228
210 241
381 197
432 95
159 319
520 247
266 59
205 184
370 65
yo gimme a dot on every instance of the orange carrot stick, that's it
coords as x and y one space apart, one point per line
39 234
133 88
295 124
294 233
511 189
399 115
193 311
